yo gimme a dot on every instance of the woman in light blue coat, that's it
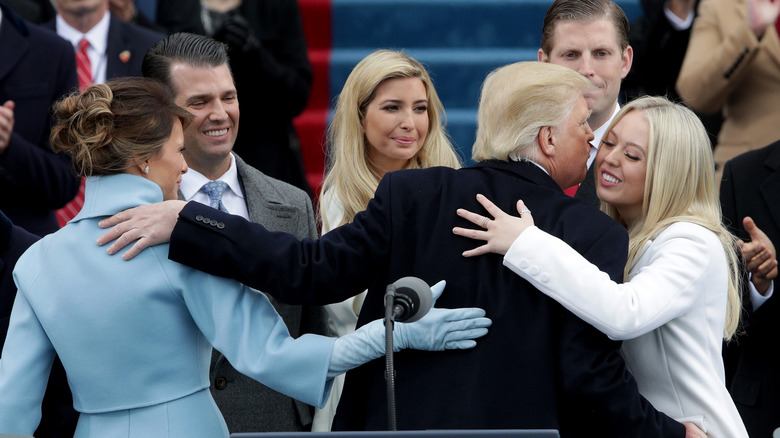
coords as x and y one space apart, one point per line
135 338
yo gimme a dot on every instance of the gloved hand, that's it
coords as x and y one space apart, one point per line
236 32
440 329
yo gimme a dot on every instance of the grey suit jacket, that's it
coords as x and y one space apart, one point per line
247 405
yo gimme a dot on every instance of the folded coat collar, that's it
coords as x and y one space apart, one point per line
110 194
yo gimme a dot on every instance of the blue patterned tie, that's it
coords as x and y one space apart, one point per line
215 189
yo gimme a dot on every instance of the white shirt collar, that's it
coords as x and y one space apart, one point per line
515 157
598 134
98 44
97 36
676 22
192 181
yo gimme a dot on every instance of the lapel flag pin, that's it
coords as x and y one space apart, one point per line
124 56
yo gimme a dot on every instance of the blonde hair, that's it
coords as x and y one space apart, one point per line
519 99
679 187
349 170
109 125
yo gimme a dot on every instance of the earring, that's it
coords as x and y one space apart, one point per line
146 169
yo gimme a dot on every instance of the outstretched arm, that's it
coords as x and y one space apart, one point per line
438 330
663 289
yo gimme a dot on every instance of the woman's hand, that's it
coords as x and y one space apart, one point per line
146 225
500 232
692 431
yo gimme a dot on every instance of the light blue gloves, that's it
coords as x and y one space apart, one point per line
440 329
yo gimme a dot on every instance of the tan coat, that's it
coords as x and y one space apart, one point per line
727 67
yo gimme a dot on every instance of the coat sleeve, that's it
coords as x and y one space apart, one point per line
339 265
599 391
717 58
243 325
29 165
25 365
662 290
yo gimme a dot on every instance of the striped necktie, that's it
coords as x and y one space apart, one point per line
84 71
83 66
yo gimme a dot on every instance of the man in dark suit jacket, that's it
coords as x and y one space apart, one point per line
270 63
540 366
36 68
58 418
659 49
126 43
166 16
751 187
34 11
196 68
114 49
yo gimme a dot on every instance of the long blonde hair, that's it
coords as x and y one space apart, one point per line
349 171
679 187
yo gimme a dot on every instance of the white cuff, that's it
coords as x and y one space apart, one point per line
757 299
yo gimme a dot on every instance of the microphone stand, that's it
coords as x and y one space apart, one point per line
389 367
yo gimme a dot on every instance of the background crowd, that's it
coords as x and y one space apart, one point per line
694 173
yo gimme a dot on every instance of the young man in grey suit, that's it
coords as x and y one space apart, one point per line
196 68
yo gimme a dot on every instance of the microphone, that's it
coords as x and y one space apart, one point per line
412 299
406 300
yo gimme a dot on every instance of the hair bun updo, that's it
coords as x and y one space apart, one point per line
84 125
112 126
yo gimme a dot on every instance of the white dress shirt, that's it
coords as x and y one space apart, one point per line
598 134
98 43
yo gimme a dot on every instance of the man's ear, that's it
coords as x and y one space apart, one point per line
546 140
628 59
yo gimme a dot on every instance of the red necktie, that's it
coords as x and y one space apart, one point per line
84 70
571 191
83 66
777 24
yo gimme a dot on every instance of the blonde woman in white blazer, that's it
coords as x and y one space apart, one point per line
654 176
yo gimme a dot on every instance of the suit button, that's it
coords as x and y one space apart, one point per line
533 270
213 222
220 383
524 263
544 278
220 225
198 218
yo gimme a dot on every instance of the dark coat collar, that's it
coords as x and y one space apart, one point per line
6 226
523 169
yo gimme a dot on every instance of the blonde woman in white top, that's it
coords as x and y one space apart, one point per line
388 117
681 299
